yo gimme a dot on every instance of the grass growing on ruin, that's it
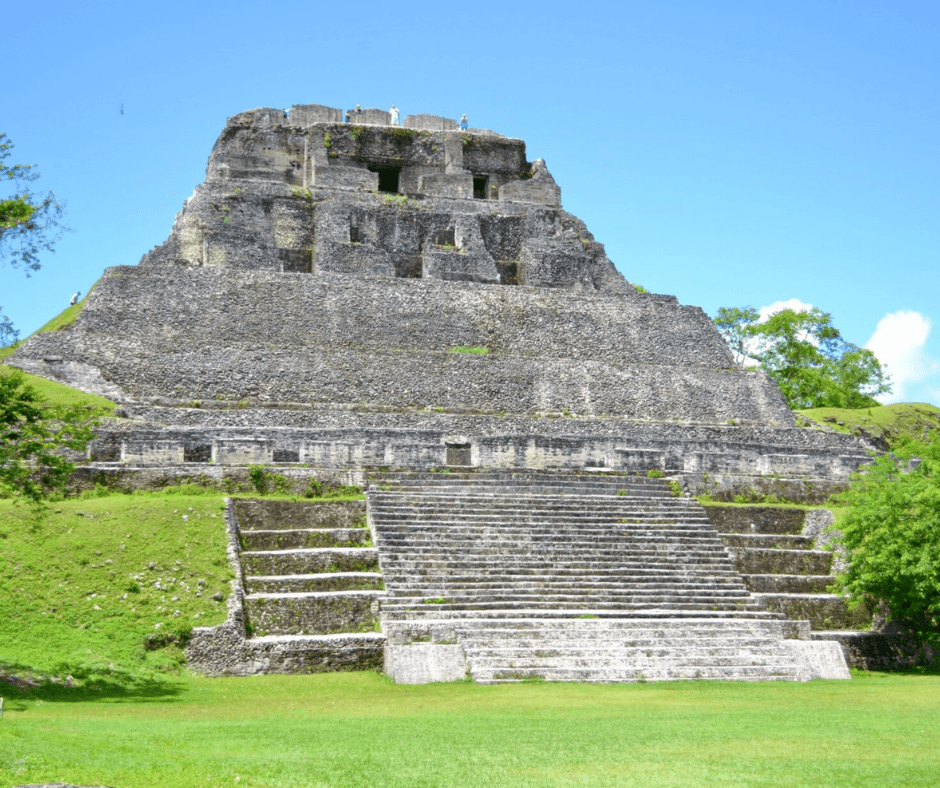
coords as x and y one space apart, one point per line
895 423
84 583
474 350
55 393
357 729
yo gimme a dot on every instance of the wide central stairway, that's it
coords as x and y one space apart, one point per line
513 576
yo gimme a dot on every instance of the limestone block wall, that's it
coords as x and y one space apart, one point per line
297 229
723 463
292 192
203 334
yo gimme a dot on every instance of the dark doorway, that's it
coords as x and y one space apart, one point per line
197 453
354 236
445 237
388 178
479 187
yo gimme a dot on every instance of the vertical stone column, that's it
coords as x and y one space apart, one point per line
453 154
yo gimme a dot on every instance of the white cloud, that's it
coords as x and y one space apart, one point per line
778 306
899 342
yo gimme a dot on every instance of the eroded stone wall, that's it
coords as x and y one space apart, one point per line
197 334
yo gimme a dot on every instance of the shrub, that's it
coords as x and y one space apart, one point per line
891 533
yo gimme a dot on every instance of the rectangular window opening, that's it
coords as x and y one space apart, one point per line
445 237
479 187
286 455
354 236
198 453
458 454
388 177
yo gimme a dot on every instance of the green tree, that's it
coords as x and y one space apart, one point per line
35 439
892 536
29 222
8 334
806 355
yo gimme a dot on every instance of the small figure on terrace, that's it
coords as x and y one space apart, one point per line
394 113
75 296
464 123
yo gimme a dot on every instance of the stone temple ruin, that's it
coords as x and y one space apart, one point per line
411 310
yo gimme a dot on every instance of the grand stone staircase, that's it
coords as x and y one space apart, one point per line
527 575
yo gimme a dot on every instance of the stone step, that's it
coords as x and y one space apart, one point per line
625 607
789 584
329 581
434 613
310 561
304 537
767 654
601 543
315 653
562 623
549 584
474 524
266 514
534 516
625 675
312 613
783 562
494 492
768 541
757 519
426 550
541 598
438 575
823 611
382 501
477 644
396 565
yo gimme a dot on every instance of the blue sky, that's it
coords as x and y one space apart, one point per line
729 153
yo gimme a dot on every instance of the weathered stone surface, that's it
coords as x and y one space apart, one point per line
882 651
326 272
823 659
425 663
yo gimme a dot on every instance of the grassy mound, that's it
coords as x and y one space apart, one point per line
107 589
888 425
55 393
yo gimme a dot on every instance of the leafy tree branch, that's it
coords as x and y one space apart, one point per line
36 438
806 355
29 222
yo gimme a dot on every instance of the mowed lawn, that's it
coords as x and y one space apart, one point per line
357 729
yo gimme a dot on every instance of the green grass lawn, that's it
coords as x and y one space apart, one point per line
84 583
357 729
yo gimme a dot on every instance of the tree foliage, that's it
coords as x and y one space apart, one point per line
805 354
892 536
30 222
8 334
35 439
